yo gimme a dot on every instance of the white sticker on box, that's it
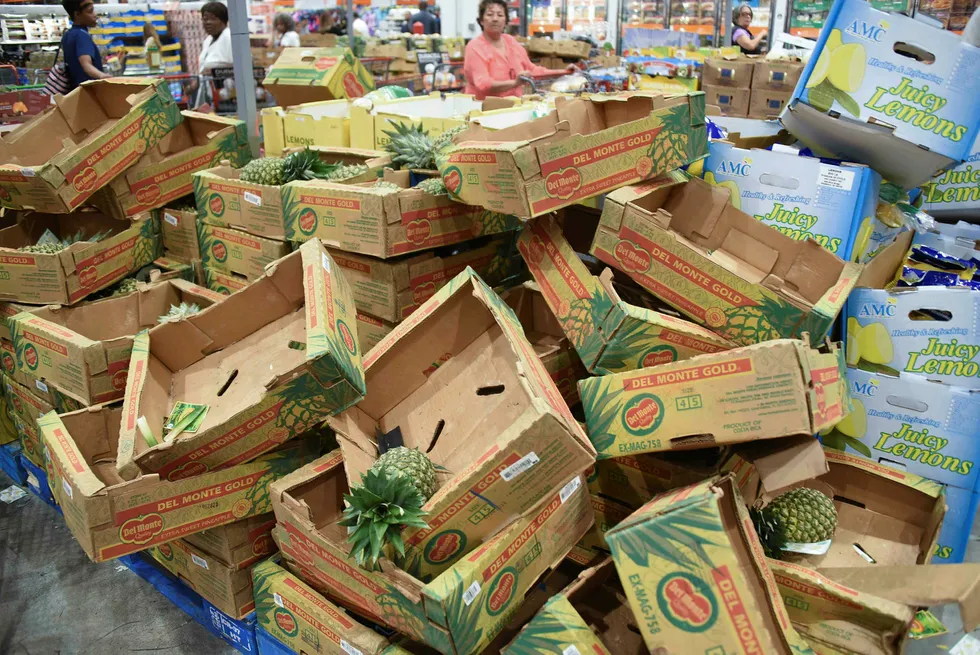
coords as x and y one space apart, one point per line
40 385
835 178
519 466
200 561
67 488
170 218
326 263
471 593
350 650
278 599
27 172
569 489
571 650
253 198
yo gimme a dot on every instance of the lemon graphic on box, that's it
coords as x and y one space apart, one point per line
853 344
855 424
875 344
736 197
839 71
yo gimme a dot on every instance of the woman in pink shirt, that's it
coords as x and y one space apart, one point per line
494 60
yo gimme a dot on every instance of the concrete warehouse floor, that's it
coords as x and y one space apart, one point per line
54 600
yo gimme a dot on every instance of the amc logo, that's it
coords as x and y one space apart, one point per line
633 258
867 389
877 310
219 251
453 179
444 547
285 621
687 602
141 530
347 337
88 277
418 232
31 357
216 205
659 355
563 184
188 470
148 195
307 221
867 31
502 590
352 86
119 380
85 180
643 414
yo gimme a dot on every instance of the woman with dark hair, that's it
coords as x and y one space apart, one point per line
494 60
741 36
284 28
216 49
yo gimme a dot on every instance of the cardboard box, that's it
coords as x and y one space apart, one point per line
955 192
325 123
435 113
25 408
81 269
680 239
174 268
223 199
633 480
541 46
223 283
730 72
163 173
227 588
801 197
954 537
85 349
241 362
493 578
178 232
8 431
488 420
371 330
767 104
728 397
309 74
317 40
692 566
265 57
888 118
111 517
571 49
19 106
609 335
239 544
833 618
58 159
608 514
237 252
730 100
586 147
776 75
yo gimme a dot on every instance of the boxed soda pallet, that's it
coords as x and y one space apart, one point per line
802 197
223 199
731 101
459 379
58 159
239 544
584 148
178 232
955 192
36 275
309 74
889 91
461 610
227 588
85 349
164 171
767 104
681 239
693 568
779 388
236 252
734 72
110 517
371 330
279 358
609 335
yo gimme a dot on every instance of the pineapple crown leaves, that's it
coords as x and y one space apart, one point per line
306 164
177 312
410 147
770 536
377 511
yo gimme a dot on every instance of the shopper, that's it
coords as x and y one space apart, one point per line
741 36
494 60
216 49
430 24
360 27
285 32
152 47
82 59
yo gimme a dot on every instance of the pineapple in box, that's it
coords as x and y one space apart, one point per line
411 147
300 165
799 520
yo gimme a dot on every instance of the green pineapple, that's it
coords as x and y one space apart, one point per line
126 286
54 245
381 184
267 171
800 516
389 499
433 186
306 164
177 312
411 147
346 172
445 140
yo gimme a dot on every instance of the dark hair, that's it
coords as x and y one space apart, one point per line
216 9
423 5
484 5
72 7
286 21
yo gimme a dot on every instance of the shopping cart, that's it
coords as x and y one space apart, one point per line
546 82
441 80
378 67
221 84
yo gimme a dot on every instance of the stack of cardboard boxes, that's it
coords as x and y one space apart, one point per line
749 86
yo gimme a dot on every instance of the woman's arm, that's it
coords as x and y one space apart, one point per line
477 73
90 69
748 42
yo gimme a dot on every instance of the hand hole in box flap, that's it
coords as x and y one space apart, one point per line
691 441
491 390
895 464
440 426
930 315
904 402
231 378
770 179
843 499
863 553
915 52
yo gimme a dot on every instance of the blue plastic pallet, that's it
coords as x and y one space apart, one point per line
10 462
42 490
239 633
269 645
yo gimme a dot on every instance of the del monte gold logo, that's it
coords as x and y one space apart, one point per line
148 195
347 337
687 602
453 179
563 184
502 590
418 232
352 86
444 546
633 258
85 180
216 205
285 621
141 530
659 355
643 414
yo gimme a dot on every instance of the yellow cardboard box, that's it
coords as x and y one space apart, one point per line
227 588
326 123
633 480
237 252
309 74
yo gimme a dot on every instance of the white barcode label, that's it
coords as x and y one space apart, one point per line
200 561
40 385
170 218
27 172
278 599
471 593
253 198
67 488
571 650
569 489
326 263
349 649
519 466
835 178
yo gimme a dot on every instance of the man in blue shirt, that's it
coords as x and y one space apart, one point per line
82 58
430 24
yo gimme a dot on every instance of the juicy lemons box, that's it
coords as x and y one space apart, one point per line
680 238
458 612
58 159
802 197
178 232
107 252
905 94
384 222
310 74
955 192
694 572
163 173
461 382
111 517
236 252
609 334
584 148
774 389
280 358
239 544
84 349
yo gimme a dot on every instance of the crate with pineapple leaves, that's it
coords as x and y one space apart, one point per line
610 335
163 173
109 124
85 349
592 146
302 75
280 357
236 252
61 258
460 611
251 198
110 518
679 238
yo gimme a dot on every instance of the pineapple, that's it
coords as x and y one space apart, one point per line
445 140
382 184
306 164
389 499
300 165
411 147
178 312
346 172
126 286
267 171
54 245
433 186
799 516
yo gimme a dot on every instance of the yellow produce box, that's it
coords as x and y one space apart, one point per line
325 123
310 74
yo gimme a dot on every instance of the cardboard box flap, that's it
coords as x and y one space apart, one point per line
782 463
76 459
880 271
